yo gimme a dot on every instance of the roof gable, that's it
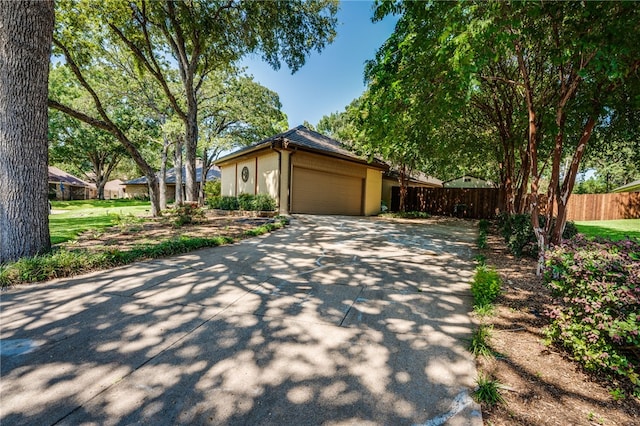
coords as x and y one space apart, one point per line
57 175
304 139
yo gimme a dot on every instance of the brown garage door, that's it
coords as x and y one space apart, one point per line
317 192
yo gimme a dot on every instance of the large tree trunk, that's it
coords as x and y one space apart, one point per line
26 30
191 144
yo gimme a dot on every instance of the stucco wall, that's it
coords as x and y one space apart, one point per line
373 192
268 175
329 164
228 180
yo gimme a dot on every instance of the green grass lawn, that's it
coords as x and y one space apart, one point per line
613 229
85 215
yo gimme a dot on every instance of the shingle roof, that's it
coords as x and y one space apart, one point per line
630 187
214 173
302 137
57 175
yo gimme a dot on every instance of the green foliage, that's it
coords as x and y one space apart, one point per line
596 309
185 214
212 188
247 202
223 202
517 231
277 223
485 287
479 344
488 391
406 215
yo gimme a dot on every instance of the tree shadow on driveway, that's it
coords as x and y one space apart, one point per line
333 320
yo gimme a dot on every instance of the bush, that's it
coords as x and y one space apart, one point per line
245 201
264 202
260 202
223 203
596 309
185 214
213 188
519 236
486 287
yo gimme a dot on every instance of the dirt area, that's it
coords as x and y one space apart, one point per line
543 386
154 230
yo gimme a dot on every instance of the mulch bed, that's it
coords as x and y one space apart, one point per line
543 386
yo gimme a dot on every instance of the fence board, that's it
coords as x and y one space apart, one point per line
484 203
624 205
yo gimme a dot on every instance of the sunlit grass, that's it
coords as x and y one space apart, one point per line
90 215
612 229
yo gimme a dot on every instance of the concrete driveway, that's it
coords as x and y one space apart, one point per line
333 320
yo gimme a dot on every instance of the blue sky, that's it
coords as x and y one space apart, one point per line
329 80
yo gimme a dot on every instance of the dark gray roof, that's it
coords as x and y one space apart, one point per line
302 137
213 174
57 175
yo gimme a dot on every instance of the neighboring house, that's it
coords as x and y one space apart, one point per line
305 172
138 188
114 189
630 187
420 180
468 182
65 186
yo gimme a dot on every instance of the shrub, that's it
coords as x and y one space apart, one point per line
185 214
596 309
213 188
519 236
407 215
479 344
245 201
486 287
488 391
260 202
264 202
223 203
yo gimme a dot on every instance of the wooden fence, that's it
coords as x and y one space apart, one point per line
625 205
485 203
478 203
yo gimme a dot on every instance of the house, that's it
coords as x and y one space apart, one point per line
419 179
114 189
305 172
467 181
65 186
138 188
630 187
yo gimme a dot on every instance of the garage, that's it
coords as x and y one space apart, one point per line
305 172
318 192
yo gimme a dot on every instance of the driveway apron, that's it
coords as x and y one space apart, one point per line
333 320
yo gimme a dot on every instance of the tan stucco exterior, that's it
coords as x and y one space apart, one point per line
273 171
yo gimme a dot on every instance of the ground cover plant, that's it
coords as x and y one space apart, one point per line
540 383
612 229
596 309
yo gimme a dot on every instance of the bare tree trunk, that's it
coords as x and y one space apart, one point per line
166 143
179 200
26 30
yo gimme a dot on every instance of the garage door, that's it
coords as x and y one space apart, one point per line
316 192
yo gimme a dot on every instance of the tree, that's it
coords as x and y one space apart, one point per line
25 48
79 146
572 64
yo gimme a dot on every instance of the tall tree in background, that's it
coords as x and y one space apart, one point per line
25 48
573 65
199 37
